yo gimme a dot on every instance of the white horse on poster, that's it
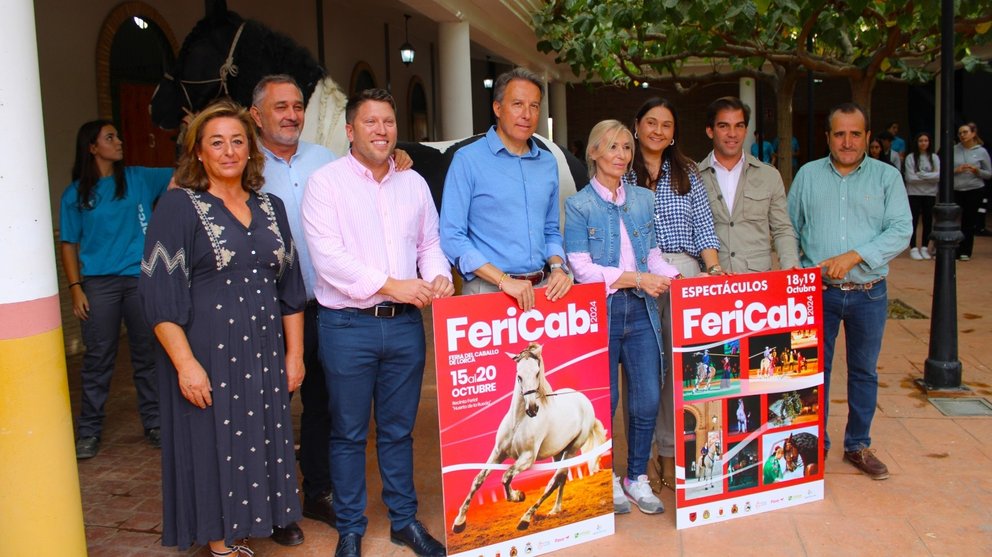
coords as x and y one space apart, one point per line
709 463
541 423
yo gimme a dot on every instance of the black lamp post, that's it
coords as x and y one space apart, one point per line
406 49
942 369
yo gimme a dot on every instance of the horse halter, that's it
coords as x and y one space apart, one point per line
525 393
227 69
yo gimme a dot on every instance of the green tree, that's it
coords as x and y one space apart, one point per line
688 42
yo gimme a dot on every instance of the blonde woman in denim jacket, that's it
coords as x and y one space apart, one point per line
609 238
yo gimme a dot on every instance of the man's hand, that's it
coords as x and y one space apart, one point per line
410 291
442 287
838 266
559 283
520 290
655 285
194 384
402 160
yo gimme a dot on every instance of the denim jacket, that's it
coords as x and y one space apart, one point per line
592 225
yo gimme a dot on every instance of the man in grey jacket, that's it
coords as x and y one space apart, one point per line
746 196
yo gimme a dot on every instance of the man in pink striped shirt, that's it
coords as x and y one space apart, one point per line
373 238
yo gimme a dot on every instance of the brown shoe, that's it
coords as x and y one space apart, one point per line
866 461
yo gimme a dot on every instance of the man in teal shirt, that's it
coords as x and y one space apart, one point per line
851 215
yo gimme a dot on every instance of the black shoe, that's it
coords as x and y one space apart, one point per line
154 437
349 545
87 447
321 508
417 538
289 535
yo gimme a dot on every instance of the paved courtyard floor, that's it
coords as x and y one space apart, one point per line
937 501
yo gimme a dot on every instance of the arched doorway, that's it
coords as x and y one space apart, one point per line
135 47
362 78
417 108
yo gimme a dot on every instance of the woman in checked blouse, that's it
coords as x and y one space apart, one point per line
684 232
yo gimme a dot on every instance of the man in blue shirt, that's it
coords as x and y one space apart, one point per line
852 217
898 143
767 155
499 211
277 108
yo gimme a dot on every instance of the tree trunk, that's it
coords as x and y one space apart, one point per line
784 93
861 89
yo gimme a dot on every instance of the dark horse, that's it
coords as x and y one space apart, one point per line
226 55
801 445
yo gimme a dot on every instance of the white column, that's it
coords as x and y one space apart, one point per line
456 80
747 94
559 113
39 483
542 124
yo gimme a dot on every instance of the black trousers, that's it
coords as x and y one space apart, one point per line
315 421
111 299
969 201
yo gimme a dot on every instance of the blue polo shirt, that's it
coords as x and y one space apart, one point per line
111 233
288 181
500 208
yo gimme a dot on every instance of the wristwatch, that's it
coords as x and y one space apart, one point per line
562 266
715 269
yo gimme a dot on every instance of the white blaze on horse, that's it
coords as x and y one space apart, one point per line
540 423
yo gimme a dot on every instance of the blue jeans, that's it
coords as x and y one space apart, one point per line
863 314
370 360
634 343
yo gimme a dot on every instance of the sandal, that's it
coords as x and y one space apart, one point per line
236 550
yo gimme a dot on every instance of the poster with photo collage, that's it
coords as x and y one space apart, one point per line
747 353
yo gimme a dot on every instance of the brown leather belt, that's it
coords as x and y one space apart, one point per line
535 278
846 286
384 311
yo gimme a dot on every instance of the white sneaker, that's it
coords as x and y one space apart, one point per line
914 253
924 253
620 503
640 493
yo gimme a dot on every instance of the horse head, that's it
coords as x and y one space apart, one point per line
532 386
195 78
226 55
791 453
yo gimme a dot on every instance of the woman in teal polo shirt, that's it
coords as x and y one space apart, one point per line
104 214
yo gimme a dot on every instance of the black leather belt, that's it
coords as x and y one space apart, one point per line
385 311
535 278
855 285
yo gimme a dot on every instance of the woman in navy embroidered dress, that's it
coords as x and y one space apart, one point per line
223 291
